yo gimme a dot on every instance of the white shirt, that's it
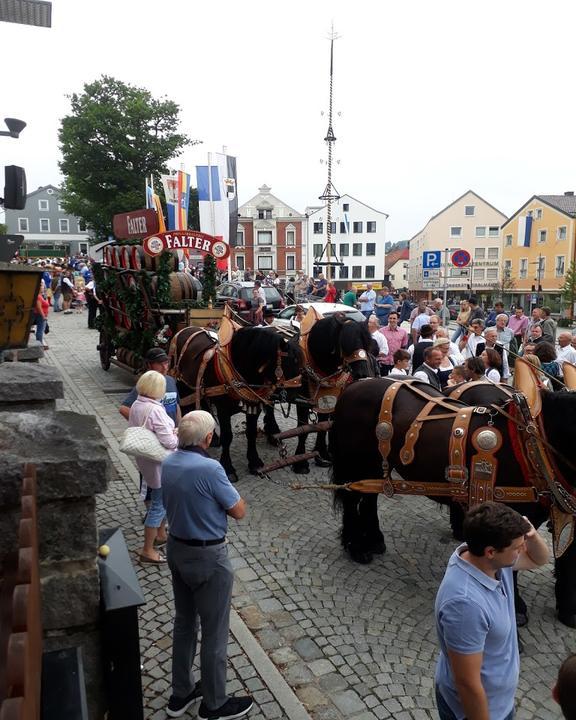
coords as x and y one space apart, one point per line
565 354
505 370
493 375
419 320
367 300
398 372
382 343
469 349
421 375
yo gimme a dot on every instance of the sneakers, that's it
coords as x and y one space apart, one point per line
235 707
178 706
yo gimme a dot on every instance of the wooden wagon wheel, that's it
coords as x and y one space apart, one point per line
105 349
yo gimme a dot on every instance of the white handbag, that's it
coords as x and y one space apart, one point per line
141 442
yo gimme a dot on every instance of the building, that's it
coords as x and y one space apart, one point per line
46 226
469 223
539 244
358 236
396 268
270 235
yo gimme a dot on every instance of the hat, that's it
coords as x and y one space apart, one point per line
268 312
441 341
155 355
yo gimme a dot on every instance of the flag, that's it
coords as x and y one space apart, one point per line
217 197
183 200
524 230
153 203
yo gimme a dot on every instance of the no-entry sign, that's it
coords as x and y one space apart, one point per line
461 258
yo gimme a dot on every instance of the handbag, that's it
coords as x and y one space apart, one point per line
138 441
46 328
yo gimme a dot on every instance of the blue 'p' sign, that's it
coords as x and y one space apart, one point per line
431 259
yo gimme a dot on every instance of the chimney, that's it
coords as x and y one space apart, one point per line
569 193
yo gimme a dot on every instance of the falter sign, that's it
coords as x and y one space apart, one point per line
186 240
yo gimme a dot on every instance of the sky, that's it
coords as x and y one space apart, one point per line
431 98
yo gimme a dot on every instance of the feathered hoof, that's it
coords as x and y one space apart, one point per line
322 462
360 556
255 469
567 618
271 440
301 468
378 548
232 476
521 618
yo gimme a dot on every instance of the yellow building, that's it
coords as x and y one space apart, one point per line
539 244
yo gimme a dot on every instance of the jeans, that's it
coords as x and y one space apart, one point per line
40 322
56 298
156 511
459 331
445 713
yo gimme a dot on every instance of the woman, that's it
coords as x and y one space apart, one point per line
68 291
448 362
492 362
454 352
462 319
148 411
475 369
330 296
546 353
41 314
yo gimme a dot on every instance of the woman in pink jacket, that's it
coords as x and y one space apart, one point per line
149 412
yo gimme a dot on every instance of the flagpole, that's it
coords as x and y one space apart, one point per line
229 261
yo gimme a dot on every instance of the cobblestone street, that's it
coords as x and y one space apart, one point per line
313 634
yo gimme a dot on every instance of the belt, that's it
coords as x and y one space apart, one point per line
198 543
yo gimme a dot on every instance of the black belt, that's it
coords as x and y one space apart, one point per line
198 543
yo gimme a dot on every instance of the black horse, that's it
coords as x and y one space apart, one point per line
256 354
354 448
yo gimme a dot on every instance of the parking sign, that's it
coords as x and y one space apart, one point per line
431 259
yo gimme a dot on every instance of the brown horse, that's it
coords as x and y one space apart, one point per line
356 452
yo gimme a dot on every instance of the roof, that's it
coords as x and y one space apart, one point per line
563 203
394 255
42 188
468 192
317 208
262 203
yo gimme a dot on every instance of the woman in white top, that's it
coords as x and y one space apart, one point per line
374 328
492 362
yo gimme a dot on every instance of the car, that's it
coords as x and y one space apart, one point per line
239 296
286 318
454 310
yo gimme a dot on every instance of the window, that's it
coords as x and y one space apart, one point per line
508 240
240 262
538 214
480 254
370 269
481 231
290 238
357 249
264 262
83 248
455 231
22 224
493 253
240 238
264 237
346 207
561 234
44 225
371 226
344 250
290 262
264 214
542 235
492 274
493 231
356 271
60 208
523 268
357 227
371 249
64 225
43 205
332 228
318 228
343 273
478 273
317 250
559 272
507 268
81 226
469 210
343 230
541 268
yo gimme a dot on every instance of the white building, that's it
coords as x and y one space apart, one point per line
469 223
358 237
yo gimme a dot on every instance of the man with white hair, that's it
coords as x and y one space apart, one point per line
565 352
198 498
442 312
367 300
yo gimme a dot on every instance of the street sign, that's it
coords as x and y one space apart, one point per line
461 258
430 284
431 259
429 274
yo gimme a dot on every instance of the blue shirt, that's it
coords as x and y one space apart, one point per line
196 493
475 614
170 399
382 313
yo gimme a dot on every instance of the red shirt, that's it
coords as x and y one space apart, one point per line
45 305
330 296
396 339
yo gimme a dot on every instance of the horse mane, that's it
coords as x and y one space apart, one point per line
334 336
255 355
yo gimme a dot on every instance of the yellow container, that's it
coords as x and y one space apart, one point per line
19 288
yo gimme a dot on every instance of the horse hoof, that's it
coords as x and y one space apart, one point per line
521 619
232 477
255 469
378 548
363 558
271 440
322 462
301 468
567 618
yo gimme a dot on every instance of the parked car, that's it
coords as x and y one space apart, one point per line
239 296
286 318
454 310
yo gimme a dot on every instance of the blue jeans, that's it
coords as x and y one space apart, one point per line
459 331
156 511
445 713
56 298
40 322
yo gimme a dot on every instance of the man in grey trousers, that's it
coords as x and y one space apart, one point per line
198 498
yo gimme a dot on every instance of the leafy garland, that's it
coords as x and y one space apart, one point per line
209 281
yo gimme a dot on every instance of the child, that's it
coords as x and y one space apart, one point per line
401 362
457 376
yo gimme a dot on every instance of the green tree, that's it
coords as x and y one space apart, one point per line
115 136
569 289
506 284
3 229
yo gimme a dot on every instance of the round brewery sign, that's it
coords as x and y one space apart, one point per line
461 258
185 240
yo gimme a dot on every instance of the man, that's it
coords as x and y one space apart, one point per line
548 325
435 323
564 351
248 275
491 339
417 310
367 300
535 321
374 329
349 296
476 312
156 359
442 312
198 498
319 286
421 318
417 350
564 691
428 371
473 344
505 335
300 287
404 307
518 324
383 305
397 339
268 317
496 310
92 301
478 665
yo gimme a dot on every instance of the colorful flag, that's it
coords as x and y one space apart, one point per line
153 203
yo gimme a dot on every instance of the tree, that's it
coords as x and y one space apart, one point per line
115 136
569 289
506 284
3 229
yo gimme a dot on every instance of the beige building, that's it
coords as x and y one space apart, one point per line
469 223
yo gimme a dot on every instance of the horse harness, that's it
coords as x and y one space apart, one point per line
469 487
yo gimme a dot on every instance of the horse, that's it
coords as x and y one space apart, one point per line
369 439
239 370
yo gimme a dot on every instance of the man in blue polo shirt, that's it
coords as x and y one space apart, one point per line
198 498
478 666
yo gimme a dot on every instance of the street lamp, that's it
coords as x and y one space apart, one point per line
14 126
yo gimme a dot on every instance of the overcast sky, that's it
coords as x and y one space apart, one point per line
436 97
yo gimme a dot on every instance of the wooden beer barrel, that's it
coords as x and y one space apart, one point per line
153 263
181 287
124 253
137 257
107 256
